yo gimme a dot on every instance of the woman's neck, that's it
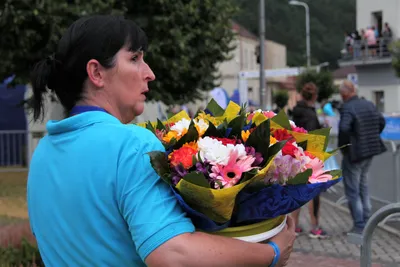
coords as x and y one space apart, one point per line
106 105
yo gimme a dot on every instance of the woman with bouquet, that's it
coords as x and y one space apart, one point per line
93 197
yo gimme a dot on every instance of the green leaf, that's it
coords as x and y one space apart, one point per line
199 158
190 136
215 109
159 162
324 131
248 175
223 126
212 131
195 160
237 125
160 125
303 144
197 178
301 178
259 139
335 173
150 127
333 152
282 119
275 148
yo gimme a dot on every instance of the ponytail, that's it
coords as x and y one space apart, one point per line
40 77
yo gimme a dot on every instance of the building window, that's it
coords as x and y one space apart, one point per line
380 101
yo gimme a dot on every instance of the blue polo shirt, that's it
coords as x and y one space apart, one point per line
93 197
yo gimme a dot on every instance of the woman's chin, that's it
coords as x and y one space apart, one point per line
138 109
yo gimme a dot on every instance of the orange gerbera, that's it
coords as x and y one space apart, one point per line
184 156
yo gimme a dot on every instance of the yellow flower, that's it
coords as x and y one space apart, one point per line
192 145
272 140
201 126
245 135
169 136
207 117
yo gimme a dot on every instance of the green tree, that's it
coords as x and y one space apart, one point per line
323 80
30 30
187 40
395 50
285 24
281 98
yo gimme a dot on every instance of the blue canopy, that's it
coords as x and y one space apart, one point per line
236 98
12 118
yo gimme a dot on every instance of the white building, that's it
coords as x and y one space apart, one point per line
244 58
377 80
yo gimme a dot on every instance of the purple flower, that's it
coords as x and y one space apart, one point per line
178 172
201 167
259 158
204 168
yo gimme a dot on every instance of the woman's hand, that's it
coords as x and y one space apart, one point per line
285 240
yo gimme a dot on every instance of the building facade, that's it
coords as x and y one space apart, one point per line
377 80
244 58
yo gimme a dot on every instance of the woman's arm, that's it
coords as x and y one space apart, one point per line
199 249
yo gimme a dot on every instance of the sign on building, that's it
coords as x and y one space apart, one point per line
353 77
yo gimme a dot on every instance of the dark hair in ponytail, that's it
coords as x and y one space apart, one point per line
41 75
97 37
309 90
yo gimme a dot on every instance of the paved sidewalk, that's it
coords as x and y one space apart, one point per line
299 260
336 251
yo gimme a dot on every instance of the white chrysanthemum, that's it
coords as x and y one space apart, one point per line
181 126
215 152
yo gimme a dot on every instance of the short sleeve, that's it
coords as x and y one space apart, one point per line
145 201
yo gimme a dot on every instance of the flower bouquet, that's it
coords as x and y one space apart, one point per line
239 174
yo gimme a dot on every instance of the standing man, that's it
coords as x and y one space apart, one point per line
360 127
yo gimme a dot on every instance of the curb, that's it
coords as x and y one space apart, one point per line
386 228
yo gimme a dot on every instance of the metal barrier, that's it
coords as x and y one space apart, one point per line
384 179
13 149
384 173
360 50
366 238
16 149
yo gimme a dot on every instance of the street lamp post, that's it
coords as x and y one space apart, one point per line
262 56
299 3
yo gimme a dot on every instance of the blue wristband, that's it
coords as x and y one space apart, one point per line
277 253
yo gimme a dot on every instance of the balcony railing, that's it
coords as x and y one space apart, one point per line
361 51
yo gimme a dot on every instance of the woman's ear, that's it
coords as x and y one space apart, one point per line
95 73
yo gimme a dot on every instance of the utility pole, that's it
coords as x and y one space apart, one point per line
262 56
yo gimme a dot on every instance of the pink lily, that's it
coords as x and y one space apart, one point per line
318 174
